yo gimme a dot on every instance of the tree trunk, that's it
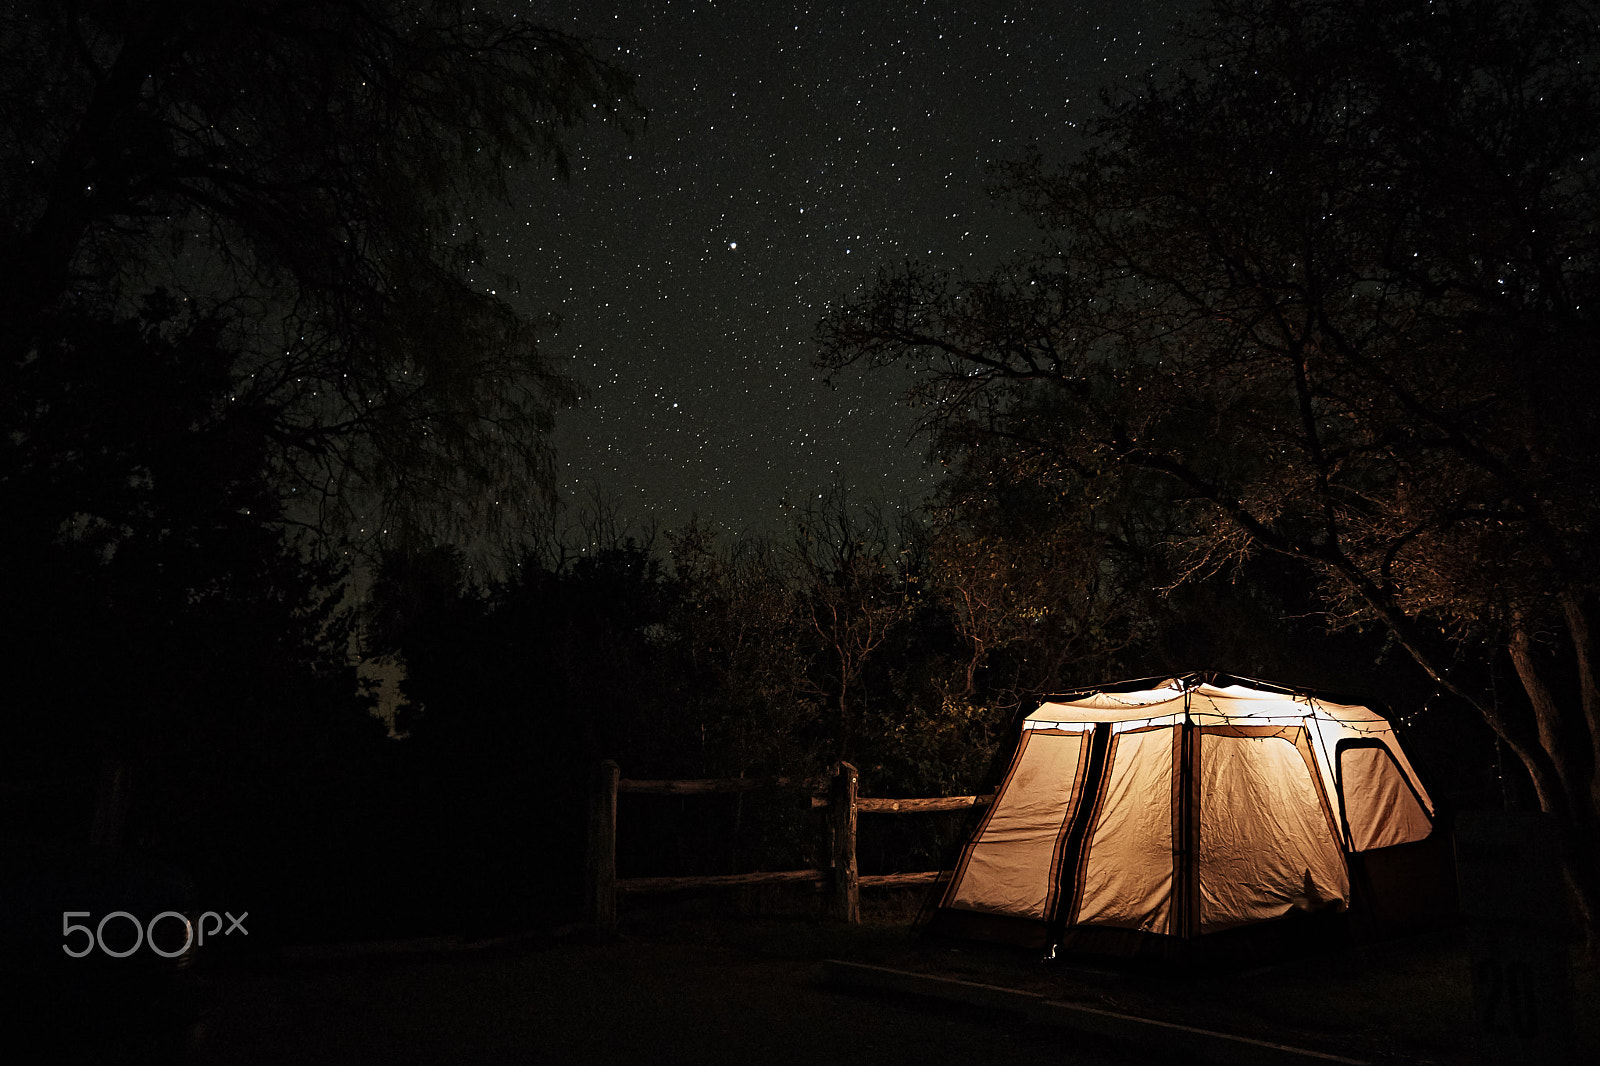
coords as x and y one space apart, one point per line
1566 742
1577 616
1555 734
1579 833
845 732
1555 751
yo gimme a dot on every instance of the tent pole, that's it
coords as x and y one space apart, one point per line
1077 838
1186 882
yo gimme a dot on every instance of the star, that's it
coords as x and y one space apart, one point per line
851 139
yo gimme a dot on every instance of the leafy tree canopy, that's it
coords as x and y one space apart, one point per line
306 174
1329 291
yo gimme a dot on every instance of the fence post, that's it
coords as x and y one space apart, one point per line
846 878
602 866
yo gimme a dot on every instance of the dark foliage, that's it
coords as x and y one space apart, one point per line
307 173
245 323
171 625
1326 294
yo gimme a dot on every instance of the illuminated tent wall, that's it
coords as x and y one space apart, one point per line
1151 815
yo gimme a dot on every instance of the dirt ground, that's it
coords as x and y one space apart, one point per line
692 988
633 1001
1403 1001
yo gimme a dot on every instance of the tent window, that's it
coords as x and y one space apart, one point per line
1381 807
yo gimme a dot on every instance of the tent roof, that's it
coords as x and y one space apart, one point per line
1211 697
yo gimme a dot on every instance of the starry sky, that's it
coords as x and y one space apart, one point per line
791 150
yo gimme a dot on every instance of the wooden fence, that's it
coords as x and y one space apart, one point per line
841 801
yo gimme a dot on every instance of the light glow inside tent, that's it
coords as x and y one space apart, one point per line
1185 807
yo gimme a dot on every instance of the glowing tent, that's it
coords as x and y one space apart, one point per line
1149 815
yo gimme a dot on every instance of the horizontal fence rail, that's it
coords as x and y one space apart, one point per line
703 786
840 799
672 884
869 805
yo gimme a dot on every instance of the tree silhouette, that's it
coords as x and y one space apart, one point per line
853 595
307 174
246 318
166 619
1330 288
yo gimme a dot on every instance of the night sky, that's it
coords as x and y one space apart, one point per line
791 150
